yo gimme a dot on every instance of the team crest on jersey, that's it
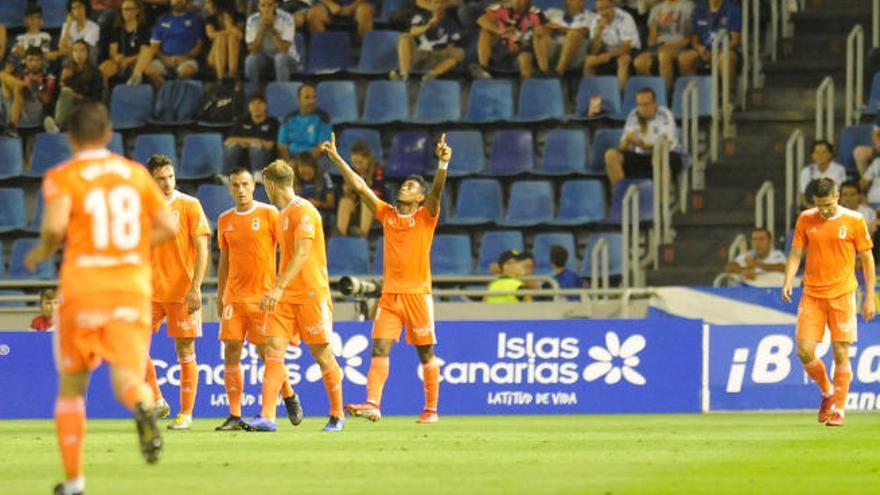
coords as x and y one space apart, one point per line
255 224
842 232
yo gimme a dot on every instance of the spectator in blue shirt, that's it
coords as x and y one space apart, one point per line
175 45
566 278
305 129
709 18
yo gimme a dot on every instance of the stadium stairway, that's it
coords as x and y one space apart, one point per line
786 102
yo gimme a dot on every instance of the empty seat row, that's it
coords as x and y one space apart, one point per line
20 248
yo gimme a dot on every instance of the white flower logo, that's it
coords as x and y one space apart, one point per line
350 359
615 360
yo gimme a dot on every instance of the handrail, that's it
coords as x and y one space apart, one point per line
794 162
661 207
756 66
765 216
875 24
746 40
720 90
599 265
825 110
630 244
774 30
690 133
855 74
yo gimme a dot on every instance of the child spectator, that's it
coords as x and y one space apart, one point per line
351 208
566 278
48 307
313 185
81 81
33 36
28 93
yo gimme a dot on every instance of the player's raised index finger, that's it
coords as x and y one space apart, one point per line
443 138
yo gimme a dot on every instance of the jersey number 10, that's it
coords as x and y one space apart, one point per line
116 217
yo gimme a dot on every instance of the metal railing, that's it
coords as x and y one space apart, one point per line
738 246
875 24
720 92
661 232
765 214
794 163
825 110
630 245
855 74
599 265
690 133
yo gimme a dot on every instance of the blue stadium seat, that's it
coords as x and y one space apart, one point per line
605 87
12 207
178 102
11 159
12 14
410 154
451 255
386 102
20 248
580 202
493 244
37 218
490 100
9 292
541 249
378 256
202 156
116 144
550 4
351 135
513 152
540 99
646 200
468 157
339 100
874 95
54 13
260 194
147 145
348 256
391 6
215 200
850 137
615 261
281 98
603 140
634 85
329 52
131 106
439 100
531 203
565 152
478 202
49 150
704 95
378 53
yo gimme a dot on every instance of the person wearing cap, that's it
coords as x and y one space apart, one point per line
511 265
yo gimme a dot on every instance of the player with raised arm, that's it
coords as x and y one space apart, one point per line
406 290
108 212
299 305
831 235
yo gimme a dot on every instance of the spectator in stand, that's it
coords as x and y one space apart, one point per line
314 185
863 154
851 197
252 143
223 28
569 30
512 34
510 264
431 43
763 265
305 129
81 81
566 278
78 27
669 32
708 19
871 184
48 307
270 37
614 37
323 12
175 45
105 13
645 126
823 166
33 36
351 208
129 36
28 93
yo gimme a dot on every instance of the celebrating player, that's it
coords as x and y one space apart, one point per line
108 211
247 236
831 235
406 292
299 305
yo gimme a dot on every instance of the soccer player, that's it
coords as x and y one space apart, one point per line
831 235
406 290
178 271
107 211
299 305
248 236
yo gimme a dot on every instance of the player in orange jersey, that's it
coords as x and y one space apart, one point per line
107 211
406 290
248 239
178 271
831 235
299 304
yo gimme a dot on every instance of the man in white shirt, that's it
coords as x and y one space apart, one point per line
269 35
762 266
823 166
870 182
569 29
851 197
614 36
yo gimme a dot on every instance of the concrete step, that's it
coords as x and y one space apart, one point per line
809 46
683 275
832 21
696 253
714 219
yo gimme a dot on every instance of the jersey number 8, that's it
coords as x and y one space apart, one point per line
116 217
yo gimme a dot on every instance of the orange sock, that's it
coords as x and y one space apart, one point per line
816 370
136 393
376 377
431 372
273 376
234 380
70 425
152 381
333 384
189 383
842 377
286 389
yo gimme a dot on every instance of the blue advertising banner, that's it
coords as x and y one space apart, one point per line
756 367
510 367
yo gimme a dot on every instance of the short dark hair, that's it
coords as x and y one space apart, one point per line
48 294
822 187
257 96
764 230
33 9
89 122
34 51
647 90
853 184
239 170
558 255
303 86
361 147
156 162
305 158
822 142
421 180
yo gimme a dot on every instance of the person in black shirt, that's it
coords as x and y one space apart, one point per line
129 35
430 43
224 27
252 139
80 82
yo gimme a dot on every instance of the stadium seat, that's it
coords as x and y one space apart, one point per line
329 52
605 87
615 261
513 152
116 144
531 203
478 202
493 244
12 13
54 13
351 135
580 202
378 53
451 255
541 250
646 201
439 100
339 100
410 154
37 218
12 209
603 140
378 258
202 156
389 7
49 150
147 145
874 95
11 159
131 106
9 292
281 98
550 4
490 100
386 102
634 85
348 256
565 152
20 248
704 95
215 200
178 103
260 194
850 137
540 99
468 157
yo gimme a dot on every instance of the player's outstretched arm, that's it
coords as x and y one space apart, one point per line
791 268
351 177
444 155
56 216
869 307
301 251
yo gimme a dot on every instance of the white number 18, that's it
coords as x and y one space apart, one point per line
116 217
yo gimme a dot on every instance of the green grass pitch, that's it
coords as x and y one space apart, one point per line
621 454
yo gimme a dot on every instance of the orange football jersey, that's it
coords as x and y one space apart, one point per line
301 220
250 240
407 249
174 261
